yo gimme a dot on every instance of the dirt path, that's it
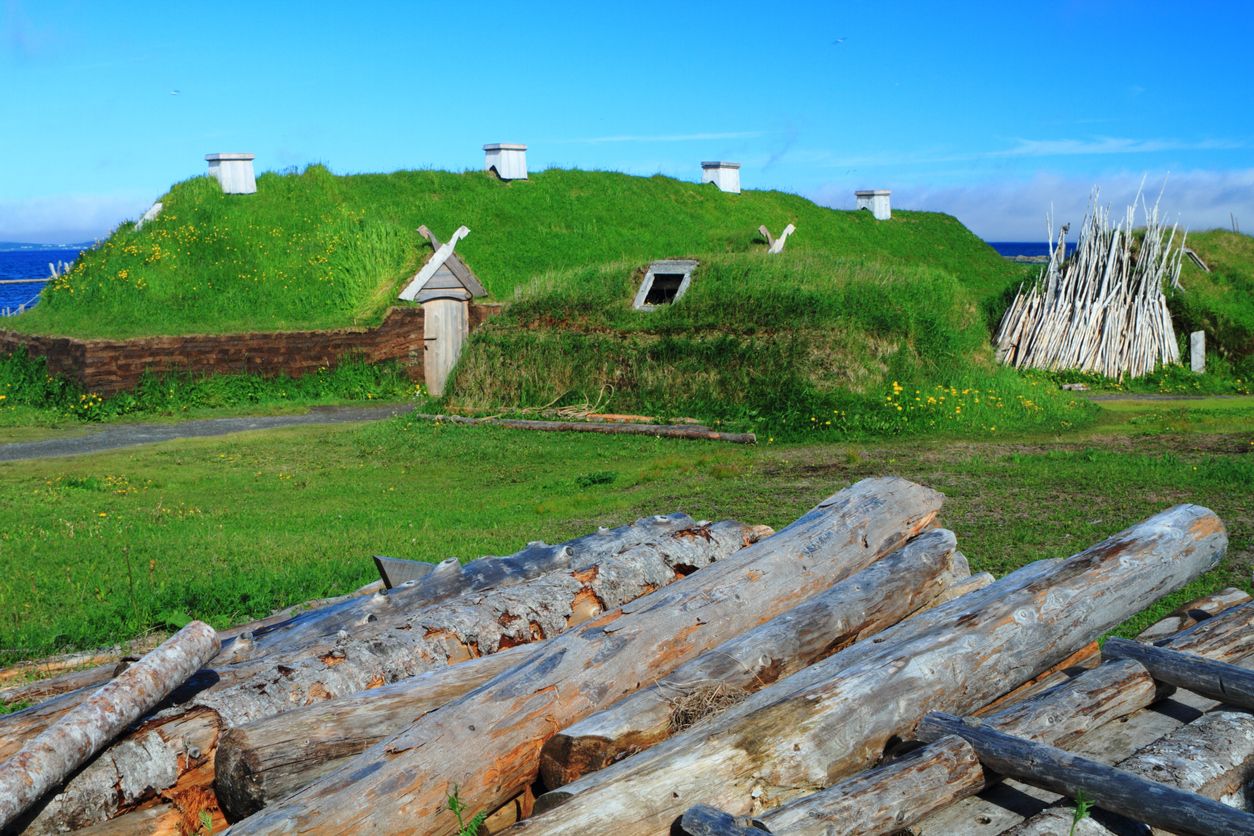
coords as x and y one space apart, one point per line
130 435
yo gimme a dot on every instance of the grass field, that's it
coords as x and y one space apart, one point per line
98 549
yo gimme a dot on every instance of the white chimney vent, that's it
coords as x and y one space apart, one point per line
877 201
724 175
233 171
509 161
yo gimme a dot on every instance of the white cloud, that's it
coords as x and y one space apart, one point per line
67 218
700 137
1015 210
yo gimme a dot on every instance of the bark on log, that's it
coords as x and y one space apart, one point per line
900 793
1217 680
1199 609
875 598
684 431
504 723
833 719
49 758
266 761
1113 789
397 645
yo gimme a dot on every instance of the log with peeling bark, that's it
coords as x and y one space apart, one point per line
833 719
396 645
265 761
1113 789
46 761
487 744
875 598
902 792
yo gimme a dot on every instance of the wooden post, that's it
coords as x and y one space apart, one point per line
1113 789
1197 351
1217 680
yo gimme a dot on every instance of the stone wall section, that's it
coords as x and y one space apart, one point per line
110 366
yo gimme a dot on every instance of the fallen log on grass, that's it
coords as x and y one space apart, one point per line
684 431
1199 609
833 719
1111 788
46 761
487 744
1217 680
866 603
905 791
395 645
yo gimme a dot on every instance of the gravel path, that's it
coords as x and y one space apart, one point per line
130 435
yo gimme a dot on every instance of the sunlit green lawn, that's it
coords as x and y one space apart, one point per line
97 549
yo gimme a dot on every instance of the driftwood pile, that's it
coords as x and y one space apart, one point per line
676 676
1103 309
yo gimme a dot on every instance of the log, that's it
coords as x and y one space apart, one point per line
703 820
875 598
1113 789
488 742
1217 680
396 645
1199 609
683 431
903 792
835 718
265 761
50 757
1086 658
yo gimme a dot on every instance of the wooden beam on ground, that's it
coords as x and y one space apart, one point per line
1217 680
488 743
1112 789
683 431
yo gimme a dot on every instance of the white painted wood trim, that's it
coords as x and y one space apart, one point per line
433 264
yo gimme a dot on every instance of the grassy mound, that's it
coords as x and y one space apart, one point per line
1220 302
314 250
795 344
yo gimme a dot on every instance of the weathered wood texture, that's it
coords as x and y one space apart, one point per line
684 431
900 793
1211 756
1113 789
488 742
875 598
45 761
702 820
404 643
1199 609
1217 680
1086 658
265 761
834 718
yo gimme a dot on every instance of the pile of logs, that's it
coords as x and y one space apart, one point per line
671 676
1102 309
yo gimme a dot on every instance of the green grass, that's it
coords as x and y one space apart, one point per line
783 345
314 250
1220 302
99 549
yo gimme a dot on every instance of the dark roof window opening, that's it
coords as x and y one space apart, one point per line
664 289
665 283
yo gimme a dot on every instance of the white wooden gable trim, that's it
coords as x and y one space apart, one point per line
435 263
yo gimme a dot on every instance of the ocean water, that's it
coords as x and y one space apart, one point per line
27 264
1010 249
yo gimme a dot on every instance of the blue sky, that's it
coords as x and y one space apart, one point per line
990 111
